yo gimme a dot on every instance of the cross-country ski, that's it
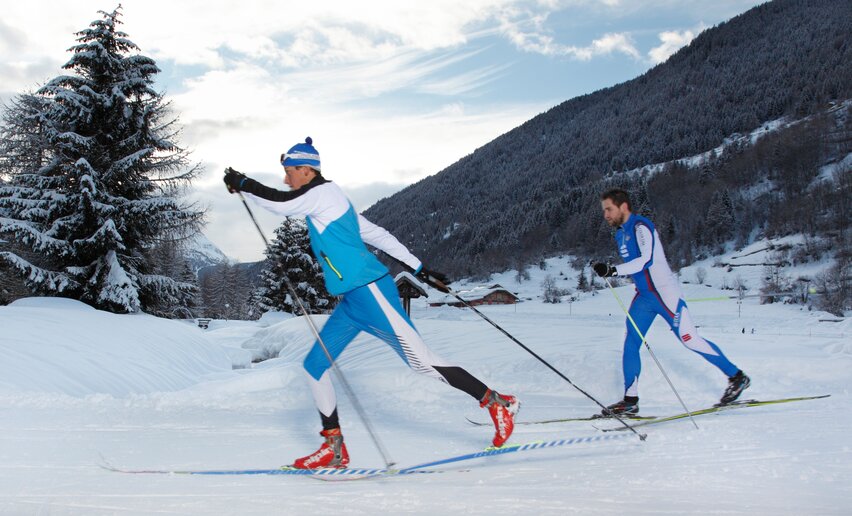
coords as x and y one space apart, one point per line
362 473
720 408
596 417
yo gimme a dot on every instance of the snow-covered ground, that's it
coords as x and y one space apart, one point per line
78 386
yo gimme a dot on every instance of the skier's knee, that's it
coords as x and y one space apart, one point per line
315 365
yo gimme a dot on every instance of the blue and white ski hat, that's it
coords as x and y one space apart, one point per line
302 154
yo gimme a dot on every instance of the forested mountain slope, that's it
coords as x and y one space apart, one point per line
534 191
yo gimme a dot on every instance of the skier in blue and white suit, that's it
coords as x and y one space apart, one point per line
370 300
657 293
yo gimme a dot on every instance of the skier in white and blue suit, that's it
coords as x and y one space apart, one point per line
369 298
657 293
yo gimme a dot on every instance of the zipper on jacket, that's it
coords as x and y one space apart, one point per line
330 265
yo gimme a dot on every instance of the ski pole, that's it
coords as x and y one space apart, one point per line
543 361
334 367
648 347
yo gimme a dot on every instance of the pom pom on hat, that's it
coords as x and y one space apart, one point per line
302 154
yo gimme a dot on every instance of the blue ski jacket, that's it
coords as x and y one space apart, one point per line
338 233
644 258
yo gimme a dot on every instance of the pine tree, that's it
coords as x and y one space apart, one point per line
182 303
229 300
720 218
95 179
211 285
582 283
289 254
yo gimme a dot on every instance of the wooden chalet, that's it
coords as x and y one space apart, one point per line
493 295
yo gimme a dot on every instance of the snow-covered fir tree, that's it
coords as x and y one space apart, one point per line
226 291
94 179
289 254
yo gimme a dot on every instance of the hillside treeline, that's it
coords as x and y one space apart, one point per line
534 191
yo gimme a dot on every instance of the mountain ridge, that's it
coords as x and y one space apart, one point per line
532 191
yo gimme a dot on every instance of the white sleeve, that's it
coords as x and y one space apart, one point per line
645 241
379 238
300 206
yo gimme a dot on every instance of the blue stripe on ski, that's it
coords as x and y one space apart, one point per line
379 472
512 448
294 471
276 471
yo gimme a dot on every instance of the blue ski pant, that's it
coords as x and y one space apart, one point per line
373 308
643 310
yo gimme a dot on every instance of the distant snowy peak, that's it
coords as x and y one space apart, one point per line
201 252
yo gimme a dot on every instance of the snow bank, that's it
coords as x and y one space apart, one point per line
63 346
289 339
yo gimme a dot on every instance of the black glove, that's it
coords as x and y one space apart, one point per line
604 270
434 279
233 179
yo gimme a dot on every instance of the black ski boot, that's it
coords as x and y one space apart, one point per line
736 385
629 406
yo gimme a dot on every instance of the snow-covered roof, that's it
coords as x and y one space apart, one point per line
413 280
475 293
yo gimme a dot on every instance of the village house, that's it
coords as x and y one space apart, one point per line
493 295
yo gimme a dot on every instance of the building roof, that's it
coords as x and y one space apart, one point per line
474 294
409 279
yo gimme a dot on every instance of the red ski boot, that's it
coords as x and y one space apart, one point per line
332 453
502 408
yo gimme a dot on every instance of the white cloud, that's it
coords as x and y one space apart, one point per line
606 45
301 34
303 37
466 82
528 32
249 80
609 44
366 79
244 90
672 41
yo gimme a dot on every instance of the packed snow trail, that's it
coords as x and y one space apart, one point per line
141 396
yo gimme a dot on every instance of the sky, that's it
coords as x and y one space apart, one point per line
391 92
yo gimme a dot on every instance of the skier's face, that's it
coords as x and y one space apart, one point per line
297 177
613 214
